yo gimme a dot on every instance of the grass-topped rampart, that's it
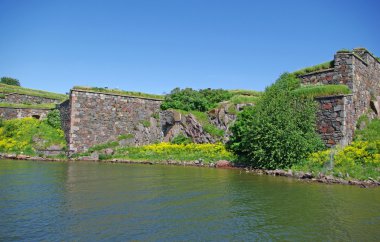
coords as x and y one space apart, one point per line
31 106
4 88
310 69
313 91
119 92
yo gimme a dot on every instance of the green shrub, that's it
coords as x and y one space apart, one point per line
279 131
10 81
192 100
313 91
54 119
181 139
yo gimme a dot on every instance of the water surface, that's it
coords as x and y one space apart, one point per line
96 201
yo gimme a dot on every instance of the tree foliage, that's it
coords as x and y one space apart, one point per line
192 100
279 131
10 81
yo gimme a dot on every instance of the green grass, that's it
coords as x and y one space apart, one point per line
319 67
245 92
313 91
34 106
371 132
111 144
242 99
119 92
32 92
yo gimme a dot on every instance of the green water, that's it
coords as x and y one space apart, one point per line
95 201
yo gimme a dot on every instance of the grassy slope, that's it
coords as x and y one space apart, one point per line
28 135
32 92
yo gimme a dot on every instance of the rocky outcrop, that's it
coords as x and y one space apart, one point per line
174 123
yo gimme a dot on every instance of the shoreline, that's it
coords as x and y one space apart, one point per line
299 175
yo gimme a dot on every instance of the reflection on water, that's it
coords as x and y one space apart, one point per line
95 201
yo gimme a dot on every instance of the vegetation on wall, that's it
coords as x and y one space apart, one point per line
119 92
28 135
10 81
312 91
4 88
279 130
319 67
26 105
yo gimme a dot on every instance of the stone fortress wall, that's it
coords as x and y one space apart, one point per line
337 116
12 113
90 118
23 112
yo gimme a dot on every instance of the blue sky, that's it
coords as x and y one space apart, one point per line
155 46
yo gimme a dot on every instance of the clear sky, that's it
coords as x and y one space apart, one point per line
155 46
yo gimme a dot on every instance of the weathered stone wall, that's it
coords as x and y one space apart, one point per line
22 98
99 118
335 119
12 113
360 71
366 72
320 77
65 112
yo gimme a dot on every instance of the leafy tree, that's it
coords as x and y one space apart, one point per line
279 131
10 81
192 100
